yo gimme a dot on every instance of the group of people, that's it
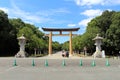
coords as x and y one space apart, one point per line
65 53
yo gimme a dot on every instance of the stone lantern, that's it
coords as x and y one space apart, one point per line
98 43
22 42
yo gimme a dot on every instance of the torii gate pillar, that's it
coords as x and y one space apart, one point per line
70 44
50 43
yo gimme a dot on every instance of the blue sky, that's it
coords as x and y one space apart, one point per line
58 13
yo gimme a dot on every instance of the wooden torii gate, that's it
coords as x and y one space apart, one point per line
60 30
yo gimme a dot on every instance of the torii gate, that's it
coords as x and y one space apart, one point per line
70 30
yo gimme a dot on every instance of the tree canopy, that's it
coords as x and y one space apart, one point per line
107 25
8 42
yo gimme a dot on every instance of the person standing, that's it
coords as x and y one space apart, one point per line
63 53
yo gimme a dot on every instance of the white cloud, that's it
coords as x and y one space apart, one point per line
71 25
26 16
92 12
89 2
96 2
50 12
111 2
84 22
77 2
4 9
34 17
16 12
40 28
26 21
61 10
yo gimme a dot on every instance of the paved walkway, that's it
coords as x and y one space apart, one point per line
58 55
55 69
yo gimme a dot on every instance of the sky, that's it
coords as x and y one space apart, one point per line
58 13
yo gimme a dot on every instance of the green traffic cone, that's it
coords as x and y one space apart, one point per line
63 63
15 63
46 63
33 62
81 63
93 63
107 63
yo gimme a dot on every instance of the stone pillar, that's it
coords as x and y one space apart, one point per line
50 43
70 44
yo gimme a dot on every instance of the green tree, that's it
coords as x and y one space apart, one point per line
104 21
8 41
56 46
76 44
113 33
65 46
35 39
